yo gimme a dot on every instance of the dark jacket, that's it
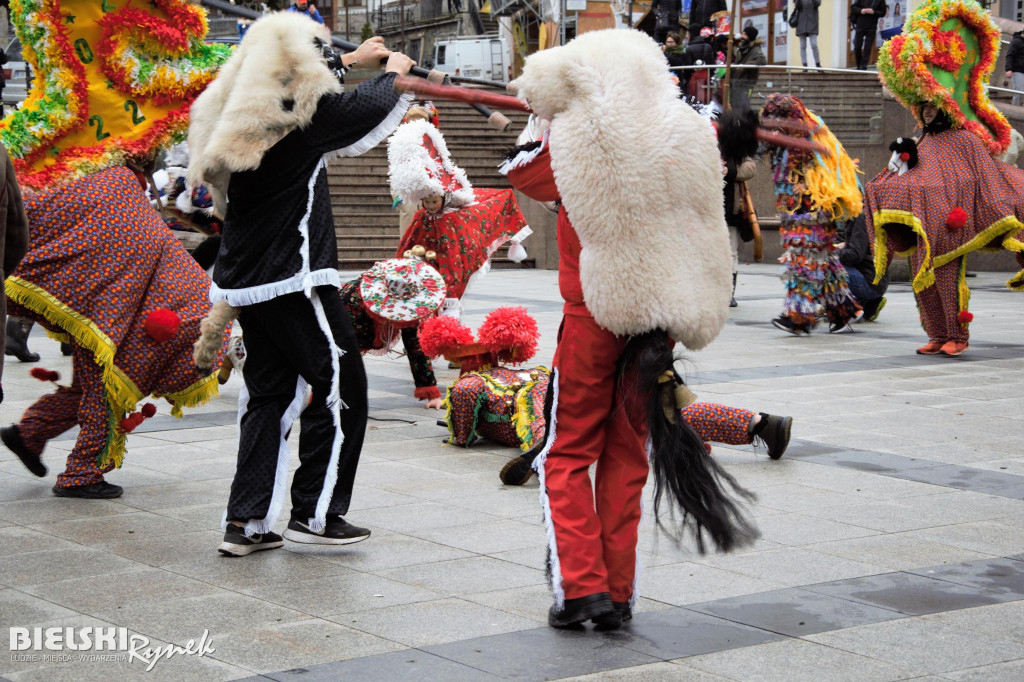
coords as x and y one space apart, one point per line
867 22
749 53
699 49
1015 54
701 10
13 235
856 253
666 12
807 21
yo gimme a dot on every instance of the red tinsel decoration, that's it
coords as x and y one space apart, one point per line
965 317
44 374
148 410
162 324
957 219
438 335
510 333
129 423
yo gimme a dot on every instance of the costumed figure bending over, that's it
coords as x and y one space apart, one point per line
812 191
103 272
944 195
636 272
259 134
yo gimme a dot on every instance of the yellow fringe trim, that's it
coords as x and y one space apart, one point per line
57 336
446 405
199 393
925 277
964 293
522 418
1016 246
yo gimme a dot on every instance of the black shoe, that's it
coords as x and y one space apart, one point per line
516 472
12 439
733 303
624 609
236 544
595 607
338 532
16 343
788 325
836 327
774 432
94 491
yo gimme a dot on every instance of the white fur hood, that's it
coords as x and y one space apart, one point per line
641 180
270 86
414 173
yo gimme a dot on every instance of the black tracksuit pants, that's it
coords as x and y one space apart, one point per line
287 346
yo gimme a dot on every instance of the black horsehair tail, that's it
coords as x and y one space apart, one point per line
682 466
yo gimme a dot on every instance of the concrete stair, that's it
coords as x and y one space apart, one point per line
367 226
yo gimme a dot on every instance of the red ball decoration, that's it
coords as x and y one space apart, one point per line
129 423
957 219
162 324
44 374
440 335
510 333
965 317
148 410
904 157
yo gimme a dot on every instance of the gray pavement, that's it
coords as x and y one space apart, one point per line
892 548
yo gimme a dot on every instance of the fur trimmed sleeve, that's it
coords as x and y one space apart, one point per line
353 123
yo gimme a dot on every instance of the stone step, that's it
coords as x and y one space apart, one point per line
386 240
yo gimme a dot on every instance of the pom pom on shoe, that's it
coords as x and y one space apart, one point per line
44 374
162 325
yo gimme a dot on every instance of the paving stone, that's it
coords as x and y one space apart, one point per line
460 576
1011 671
904 592
1000 578
411 664
348 593
795 612
792 566
1002 620
896 551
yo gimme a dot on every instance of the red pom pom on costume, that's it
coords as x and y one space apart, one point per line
510 333
957 219
440 335
148 410
904 157
44 374
129 423
965 317
162 324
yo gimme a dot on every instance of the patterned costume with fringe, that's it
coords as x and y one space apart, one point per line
100 260
503 405
465 237
813 191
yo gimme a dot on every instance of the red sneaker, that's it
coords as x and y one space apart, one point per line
953 348
933 348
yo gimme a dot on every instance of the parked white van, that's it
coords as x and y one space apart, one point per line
484 57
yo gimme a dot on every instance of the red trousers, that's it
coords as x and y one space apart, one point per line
82 403
594 526
941 303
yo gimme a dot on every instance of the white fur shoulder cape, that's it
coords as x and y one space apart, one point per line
270 86
640 177
415 174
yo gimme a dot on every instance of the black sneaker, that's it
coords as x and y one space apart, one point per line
516 472
788 325
595 607
774 432
624 609
236 544
338 532
11 437
94 491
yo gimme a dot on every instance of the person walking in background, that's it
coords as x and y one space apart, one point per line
1015 65
806 24
666 17
744 80
303 7
701 11
865 15
13 233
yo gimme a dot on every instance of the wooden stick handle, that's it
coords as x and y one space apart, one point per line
423 88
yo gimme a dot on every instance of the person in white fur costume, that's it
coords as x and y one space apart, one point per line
644 264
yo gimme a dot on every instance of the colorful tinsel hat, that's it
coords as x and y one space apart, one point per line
944 56
113 80
419 166
402 291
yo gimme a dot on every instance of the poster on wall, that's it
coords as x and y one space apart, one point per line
781 39
892 23
758 21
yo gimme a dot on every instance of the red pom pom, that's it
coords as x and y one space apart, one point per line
440 335
957 219
148 410
162 324
965 317
44 374
510 333
129 423
904 157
